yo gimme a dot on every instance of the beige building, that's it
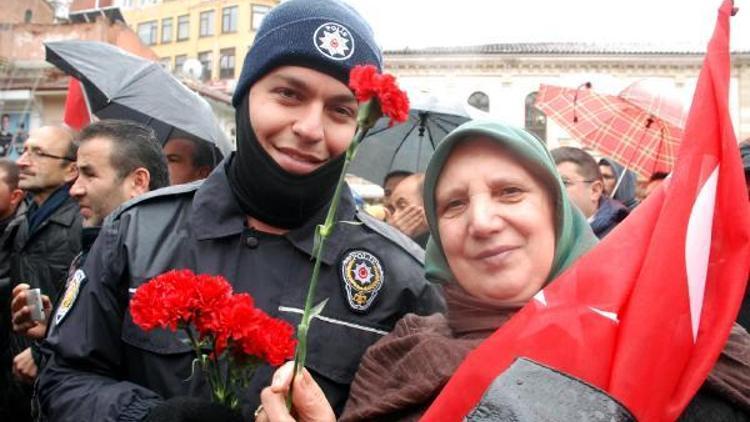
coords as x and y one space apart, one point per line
215 33
502 79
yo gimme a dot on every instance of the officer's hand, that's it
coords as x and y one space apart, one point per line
22 323
309 404
24 367
411 220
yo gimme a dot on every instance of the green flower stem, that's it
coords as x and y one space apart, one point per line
199 355
368 114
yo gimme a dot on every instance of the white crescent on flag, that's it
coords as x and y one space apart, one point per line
698 246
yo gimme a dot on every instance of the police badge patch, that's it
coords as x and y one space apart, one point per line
334 41
362 277
70 295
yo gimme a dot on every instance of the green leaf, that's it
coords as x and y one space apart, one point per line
317 309
195 362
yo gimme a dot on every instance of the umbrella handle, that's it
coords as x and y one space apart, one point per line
619 181
586 85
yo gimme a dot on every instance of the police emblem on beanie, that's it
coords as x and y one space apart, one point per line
334 41
326 35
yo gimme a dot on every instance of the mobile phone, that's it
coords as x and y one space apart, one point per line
34 301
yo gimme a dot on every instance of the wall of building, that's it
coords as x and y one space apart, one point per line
26 11
194 44
52 109
507 80
742 123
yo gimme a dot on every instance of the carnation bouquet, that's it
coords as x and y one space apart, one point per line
229 335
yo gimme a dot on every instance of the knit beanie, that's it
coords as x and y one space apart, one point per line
326 35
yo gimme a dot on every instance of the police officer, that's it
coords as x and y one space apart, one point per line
252 220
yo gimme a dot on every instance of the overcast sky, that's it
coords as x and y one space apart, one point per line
422 23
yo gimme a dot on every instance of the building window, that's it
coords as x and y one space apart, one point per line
183 27
480 101
166 63
27 16
205 59
258 12
226 63
207 23
179 61
147 32
229 19
536 120
166 30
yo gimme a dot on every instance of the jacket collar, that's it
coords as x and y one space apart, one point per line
303 238
217 214
215 211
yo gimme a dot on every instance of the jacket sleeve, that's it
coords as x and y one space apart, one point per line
80 379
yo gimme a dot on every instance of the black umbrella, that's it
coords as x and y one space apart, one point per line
120 85
407 146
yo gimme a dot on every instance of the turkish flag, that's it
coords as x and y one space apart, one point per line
76 110
646 313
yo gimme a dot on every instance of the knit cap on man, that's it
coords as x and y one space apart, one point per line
326 35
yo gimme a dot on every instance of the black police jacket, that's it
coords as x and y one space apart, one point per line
103 367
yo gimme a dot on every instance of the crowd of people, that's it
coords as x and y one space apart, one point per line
86 218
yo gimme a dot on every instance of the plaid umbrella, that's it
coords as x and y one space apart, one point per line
638 127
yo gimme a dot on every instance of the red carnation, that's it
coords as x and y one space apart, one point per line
277 339
367 83
253 333
213 294
164 301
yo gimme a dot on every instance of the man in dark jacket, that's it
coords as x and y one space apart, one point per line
189 158
614 175
49 237
12 213
117 161
583 181
253 220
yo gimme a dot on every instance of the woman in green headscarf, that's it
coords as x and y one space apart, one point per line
502 228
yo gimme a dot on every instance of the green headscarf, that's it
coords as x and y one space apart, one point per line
574 236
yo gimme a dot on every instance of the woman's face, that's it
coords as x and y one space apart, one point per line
496 224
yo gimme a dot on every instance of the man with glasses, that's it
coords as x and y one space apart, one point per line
582 178
50 236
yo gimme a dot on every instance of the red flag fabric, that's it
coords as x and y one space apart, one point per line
76 111
645 314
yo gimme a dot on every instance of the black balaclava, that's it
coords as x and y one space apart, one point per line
269 193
